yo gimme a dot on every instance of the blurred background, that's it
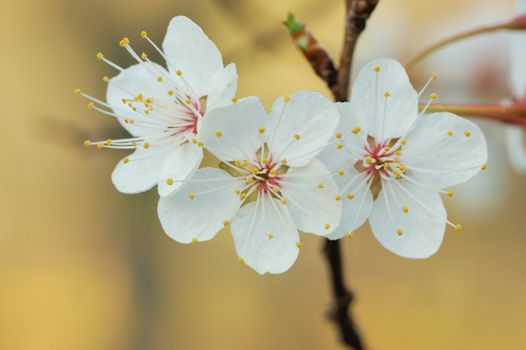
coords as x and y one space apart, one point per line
85 267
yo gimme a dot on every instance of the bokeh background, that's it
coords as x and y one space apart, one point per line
84 267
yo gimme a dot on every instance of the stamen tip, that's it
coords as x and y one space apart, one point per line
124 42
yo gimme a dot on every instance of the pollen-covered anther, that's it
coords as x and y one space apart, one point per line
179 72
100 146
243 195
87 143
275 190
219 133
191 195
341 172
99 56
284 161
105 79
77 92
108 142
398 153
339 135
458 227
194 240
226 223
405 210
349 235
90 105
399 232
125 160
286 98
403 142
144 34
270 236
272 172
261 130
284 201
339 146
297 136
320 185
124 42
233 99
200 144
450 133
338 197
369 160
450 193
327 226
170 92
387 94
298 244
241 260
434 76
160 78
484 166
467 133
377 69
356 130
144 56
169 181
433 96
146 145
350 196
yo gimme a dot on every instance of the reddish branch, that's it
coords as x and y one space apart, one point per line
356 15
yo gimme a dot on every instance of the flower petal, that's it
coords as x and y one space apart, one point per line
222 88
201 208
265 236
188 49
139 171
311 194
516 147
421 228
179 166
302 127
135 80
350 140
387 117
237 131
517 69
357 202
444 150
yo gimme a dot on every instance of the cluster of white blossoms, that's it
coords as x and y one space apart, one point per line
309 165
517 80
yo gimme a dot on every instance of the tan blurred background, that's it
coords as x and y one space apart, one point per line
84 267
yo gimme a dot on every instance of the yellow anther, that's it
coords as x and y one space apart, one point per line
219 133
286 98
146 145
284 201
356 130
349 235
387 94
297 136
179 72
194 140
108 142
377 69
191 195
169 181
241 260
433 96
387 149
105 79
434 76
243 195
327 226
401 167
237 162
144 35
398 153
284 161
320 185
270 236
339 135
78 92
194 240
226 222
341 172
170 92
249 180
450 193
396 174
234 99
100 56
201 144
484 166
399 232
237 192
368 160
159 78
100 146
125 41
144 56
350 196
458 227
272 172
90 105
467 133
261 130
405 210
87 143
403 142
338 197
188 101
275 189
298 244
339 146
125 160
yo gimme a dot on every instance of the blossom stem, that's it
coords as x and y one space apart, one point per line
518 23
510 114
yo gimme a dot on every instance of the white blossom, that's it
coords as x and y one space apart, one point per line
392 162
162 108
272 187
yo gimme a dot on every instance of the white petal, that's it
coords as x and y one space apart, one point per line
185 219
442 160
423 225
132 81
516 147
233 132
139 171
188 49
265 236
222 88
387 117
517 70
180 165
314 210
350 143
302 126
357 202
